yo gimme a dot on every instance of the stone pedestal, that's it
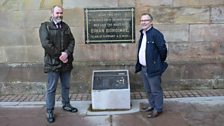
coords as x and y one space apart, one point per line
110 90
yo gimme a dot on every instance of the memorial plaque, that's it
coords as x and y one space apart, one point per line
109 25
115 79
110 90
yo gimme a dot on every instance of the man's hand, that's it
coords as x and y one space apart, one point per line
64 57
65 61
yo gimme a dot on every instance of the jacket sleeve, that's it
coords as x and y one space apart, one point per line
48 46
138 66
71 44
161 44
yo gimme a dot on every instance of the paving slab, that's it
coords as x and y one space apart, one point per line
140 119
206 111
36 117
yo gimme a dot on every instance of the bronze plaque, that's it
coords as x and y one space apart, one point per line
109 25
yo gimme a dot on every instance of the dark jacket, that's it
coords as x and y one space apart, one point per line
156 53
54 41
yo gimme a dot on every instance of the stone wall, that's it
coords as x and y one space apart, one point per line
192 29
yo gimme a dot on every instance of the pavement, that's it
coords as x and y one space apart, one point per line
194 109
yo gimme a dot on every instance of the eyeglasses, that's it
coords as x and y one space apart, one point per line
145 20
59 12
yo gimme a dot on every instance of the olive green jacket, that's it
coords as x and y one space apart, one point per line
55 41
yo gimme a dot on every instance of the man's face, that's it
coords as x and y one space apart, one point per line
146 22
57 14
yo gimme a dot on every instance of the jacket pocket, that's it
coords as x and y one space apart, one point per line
52 61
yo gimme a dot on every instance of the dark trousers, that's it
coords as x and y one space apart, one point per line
153 89
53 78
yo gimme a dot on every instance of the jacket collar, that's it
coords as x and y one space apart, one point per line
52 25
147 30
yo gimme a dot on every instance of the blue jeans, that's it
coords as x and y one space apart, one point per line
52 86
153 89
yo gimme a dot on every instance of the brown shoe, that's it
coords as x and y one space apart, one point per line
154 114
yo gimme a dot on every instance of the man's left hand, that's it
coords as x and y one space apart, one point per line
63 56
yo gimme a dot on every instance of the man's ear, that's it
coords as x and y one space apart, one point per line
51 13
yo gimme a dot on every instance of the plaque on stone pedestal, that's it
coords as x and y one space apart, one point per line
110 90
110 80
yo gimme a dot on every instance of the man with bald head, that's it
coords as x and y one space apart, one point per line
58 44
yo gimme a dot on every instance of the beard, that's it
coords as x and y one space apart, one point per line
57 19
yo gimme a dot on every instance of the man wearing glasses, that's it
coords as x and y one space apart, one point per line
151 56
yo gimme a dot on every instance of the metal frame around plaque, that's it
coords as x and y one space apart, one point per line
109 25
110 79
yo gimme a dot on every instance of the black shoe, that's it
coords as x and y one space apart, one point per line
154 114
147 109
50 116
69 108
